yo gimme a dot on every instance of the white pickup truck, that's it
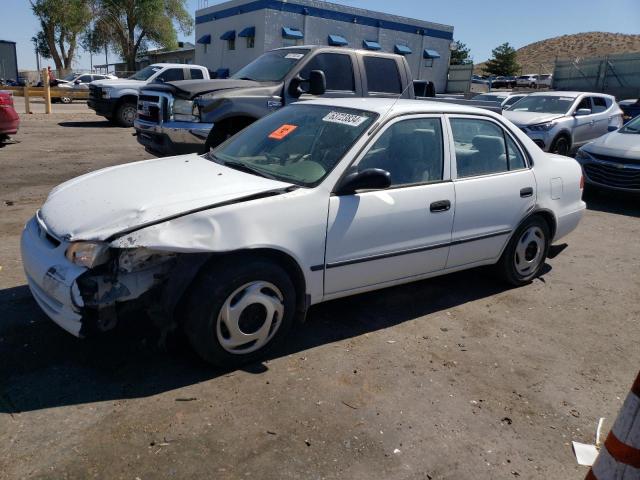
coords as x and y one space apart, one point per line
117 99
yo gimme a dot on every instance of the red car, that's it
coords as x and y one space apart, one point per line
9 119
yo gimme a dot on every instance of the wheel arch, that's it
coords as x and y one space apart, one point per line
546 214
127 98
562 133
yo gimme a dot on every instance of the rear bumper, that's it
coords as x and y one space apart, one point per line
105 107
568 222
172 138
9 121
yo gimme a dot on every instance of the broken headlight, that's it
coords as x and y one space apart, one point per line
185 111
136 259
88 254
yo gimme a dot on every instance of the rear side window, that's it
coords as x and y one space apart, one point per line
383 75
337 68
599 104
196 74
483 148
172 75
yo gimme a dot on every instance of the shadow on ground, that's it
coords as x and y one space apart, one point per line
85 124
611 201
43 366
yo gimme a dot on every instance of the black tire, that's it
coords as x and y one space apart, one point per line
126 114
561 145
218 286
512 264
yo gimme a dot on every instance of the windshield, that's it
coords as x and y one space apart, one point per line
543 104
490 98
632 127
299 144
145 73
271 66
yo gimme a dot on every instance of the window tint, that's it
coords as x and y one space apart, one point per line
516 160
196 74
410 150
480 147
584 103
599 104
172 75
382 75
511 100
85 78
337 69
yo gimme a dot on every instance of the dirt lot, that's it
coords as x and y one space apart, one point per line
455 378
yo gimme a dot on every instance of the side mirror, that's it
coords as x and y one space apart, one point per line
317 84
582 112
368 179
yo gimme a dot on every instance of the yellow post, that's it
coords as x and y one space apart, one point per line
47 91
27 107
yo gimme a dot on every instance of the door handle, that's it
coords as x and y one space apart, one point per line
440 206
526 192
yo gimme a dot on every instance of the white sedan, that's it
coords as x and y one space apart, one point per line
319 200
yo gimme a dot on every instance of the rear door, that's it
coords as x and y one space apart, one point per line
494 188
601 116
383 76
382 236
583 125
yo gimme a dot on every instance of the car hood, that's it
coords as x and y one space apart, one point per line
616 144
192 88
524 119
115 200
119 83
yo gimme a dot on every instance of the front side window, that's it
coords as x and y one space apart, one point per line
480 147
383 75
85 79
599 104
410 150
585 104
271 66
172 75
196 74
337 68
300 144
145 73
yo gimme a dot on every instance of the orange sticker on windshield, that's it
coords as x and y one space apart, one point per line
282 131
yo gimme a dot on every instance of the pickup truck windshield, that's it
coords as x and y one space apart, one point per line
299 144
271 66
145 73
543 104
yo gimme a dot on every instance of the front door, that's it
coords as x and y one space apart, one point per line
377 237
494 188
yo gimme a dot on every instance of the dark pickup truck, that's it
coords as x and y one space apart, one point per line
193 116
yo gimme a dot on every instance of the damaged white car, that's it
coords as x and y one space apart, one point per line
319 200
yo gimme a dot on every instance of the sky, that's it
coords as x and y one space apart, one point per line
480 25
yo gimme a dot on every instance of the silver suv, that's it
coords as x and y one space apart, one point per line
561 122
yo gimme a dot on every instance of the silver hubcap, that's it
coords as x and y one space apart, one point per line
129 114
529 251
250 317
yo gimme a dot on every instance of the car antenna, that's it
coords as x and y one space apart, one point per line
386 114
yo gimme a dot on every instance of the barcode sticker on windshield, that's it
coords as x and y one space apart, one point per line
295 56
345 118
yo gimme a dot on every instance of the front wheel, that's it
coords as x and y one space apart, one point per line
560 146
126 114
526 252
239 310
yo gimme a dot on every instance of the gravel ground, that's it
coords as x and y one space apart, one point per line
451 378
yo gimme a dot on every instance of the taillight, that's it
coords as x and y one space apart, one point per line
581 182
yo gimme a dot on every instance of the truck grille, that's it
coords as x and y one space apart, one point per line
613 176
95 93
152 108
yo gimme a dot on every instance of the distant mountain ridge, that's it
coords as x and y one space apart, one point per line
539 57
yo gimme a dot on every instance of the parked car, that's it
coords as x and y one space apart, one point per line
545 80
79 81
117 100
530 80
9 119
630 108
613 160
505 99
186 117
561 122
319 200
503 82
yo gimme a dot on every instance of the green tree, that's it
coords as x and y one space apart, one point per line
132 25
61 22
40 44
503 61
461 54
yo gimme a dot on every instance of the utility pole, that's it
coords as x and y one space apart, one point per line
106 59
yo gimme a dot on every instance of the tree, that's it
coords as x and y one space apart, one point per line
61 22
40 44
460 55
132 25
503 62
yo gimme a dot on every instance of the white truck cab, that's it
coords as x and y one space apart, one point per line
117 99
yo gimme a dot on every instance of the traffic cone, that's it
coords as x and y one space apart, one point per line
619 458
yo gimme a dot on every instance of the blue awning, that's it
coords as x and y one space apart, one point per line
222 73
371 45
248 32
292 33
337 41
430 54
402 49
230 35
205 39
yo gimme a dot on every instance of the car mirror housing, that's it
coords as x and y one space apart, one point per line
317 84
367 179
582 112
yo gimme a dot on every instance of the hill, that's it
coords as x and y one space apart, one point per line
539 57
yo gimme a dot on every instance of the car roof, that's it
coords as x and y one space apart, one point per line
568 94
382 105
376 53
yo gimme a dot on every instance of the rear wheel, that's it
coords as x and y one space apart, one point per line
526 252
126 114
65 99
239 310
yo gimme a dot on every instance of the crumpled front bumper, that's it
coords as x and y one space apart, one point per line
172 138
51 277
